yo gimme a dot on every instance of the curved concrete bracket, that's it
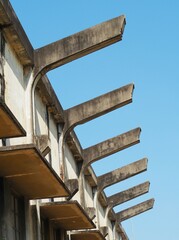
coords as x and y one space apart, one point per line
98 106
135 210
78 45
111 146
127 195
121 174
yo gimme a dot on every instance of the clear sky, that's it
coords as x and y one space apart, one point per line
148 56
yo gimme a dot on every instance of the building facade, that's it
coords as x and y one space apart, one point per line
48 189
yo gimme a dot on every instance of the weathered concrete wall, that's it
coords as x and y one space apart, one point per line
101 214
53 141
110 230
89 199
40 116
46 132
14 85
71 167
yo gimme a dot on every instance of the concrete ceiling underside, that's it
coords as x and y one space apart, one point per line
68 215
29 174
87 235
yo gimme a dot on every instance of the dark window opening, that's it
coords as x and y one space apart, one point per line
17 218
3 141
44 229
57 234
2 45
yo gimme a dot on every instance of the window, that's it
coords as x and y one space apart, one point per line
2 44
57 234
44 229
16 218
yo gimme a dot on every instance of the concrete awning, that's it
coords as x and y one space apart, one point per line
9 127
87 235
68 215
29 174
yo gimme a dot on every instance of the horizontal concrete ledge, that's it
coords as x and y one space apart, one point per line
128 194
68 215
135 210
78 45
29 173
98 106
74 146
15 33
50 98
111 146
121 174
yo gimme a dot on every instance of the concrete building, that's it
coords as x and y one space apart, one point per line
48 189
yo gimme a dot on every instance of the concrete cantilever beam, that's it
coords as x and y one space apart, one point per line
78 45
135 210
127 195
121 174
111 146
98 106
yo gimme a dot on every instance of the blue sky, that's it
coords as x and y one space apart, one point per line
148 56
